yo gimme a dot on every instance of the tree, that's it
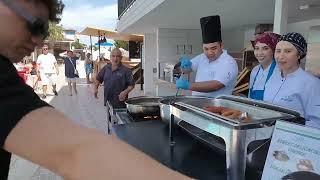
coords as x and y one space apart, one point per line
121 44
55 32
78 45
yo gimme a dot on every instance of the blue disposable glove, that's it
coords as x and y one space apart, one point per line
182 83
185 63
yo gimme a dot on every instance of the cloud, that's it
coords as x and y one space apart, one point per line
83 15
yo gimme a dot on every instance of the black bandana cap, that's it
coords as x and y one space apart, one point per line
298 41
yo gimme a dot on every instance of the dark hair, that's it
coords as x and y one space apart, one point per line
55 9
301 175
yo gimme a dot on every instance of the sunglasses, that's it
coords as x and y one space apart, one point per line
36 26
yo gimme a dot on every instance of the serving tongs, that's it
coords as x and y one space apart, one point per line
173 100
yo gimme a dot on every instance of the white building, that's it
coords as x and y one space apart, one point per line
172 27
58 47
70 34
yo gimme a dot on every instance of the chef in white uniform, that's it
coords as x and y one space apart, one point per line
216 71
264 46
293 87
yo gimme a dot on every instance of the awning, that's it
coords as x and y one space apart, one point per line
109 34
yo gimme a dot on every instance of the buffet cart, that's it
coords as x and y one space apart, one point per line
235 133
195 142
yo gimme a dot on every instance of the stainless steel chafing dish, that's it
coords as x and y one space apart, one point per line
164 104
235 134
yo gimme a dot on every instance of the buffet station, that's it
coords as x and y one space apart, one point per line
226 137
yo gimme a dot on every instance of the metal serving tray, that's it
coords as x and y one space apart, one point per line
236 135
257 114
165 102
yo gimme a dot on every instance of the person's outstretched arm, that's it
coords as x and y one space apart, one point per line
46 137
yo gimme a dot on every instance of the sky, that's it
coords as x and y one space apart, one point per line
78 14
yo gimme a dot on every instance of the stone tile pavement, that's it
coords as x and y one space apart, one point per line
82 108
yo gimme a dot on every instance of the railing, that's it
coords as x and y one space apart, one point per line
123 5
137 74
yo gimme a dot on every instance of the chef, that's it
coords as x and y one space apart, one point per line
216 71
293 87
264 46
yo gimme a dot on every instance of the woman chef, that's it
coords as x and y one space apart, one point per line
293 87
264 47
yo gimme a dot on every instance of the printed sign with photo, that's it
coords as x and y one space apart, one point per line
294 153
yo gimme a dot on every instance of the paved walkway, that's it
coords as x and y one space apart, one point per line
82 108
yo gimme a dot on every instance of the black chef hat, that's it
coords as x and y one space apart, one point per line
211 29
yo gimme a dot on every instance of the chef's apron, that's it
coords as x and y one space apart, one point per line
258 94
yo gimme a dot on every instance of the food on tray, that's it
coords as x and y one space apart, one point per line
228 113
214 109
232 114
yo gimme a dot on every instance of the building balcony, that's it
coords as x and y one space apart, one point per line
123 5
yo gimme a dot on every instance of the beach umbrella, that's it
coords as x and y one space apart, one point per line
104 44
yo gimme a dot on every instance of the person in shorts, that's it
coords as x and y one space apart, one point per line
88 67
70 64
48 70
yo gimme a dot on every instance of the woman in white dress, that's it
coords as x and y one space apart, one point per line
293 87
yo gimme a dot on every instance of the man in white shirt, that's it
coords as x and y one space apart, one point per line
48 70
216 70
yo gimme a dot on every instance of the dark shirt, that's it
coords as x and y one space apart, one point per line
33 71
16 100
69 67
114 83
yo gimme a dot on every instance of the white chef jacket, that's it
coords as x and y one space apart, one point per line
46 63
224 69
299 91
261 77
